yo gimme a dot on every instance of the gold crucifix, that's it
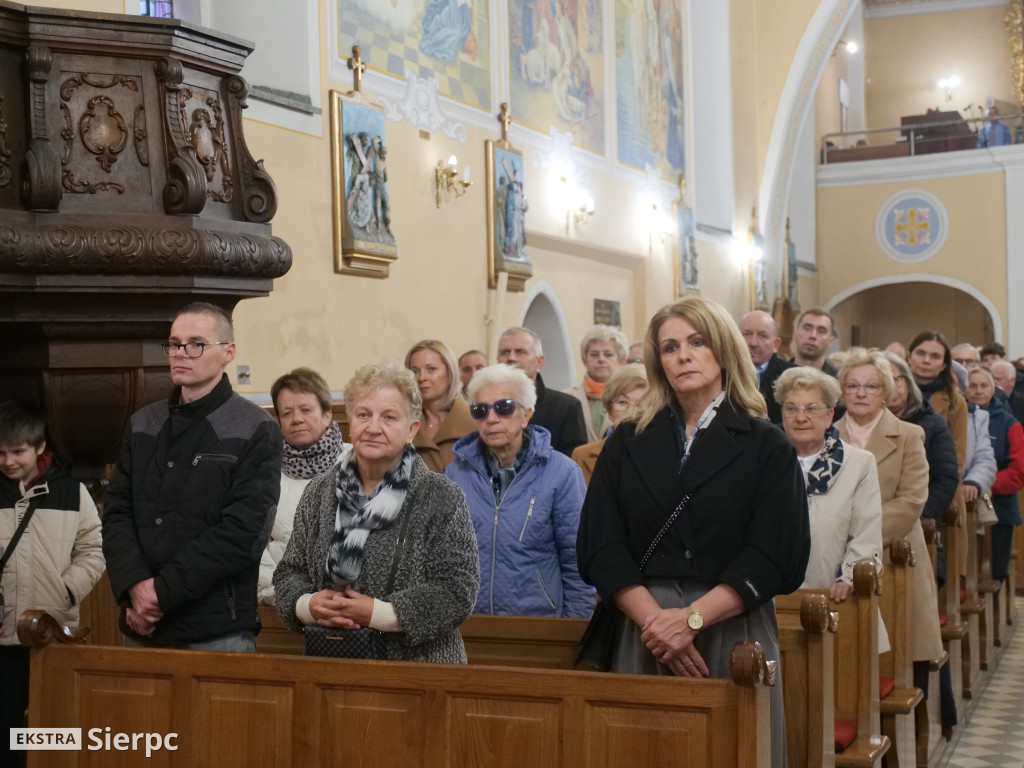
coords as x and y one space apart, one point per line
355 63
505 118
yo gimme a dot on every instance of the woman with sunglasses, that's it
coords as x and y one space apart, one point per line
699 444
524 498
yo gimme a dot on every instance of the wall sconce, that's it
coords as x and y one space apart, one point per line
659 225
446 179
850 47
948 85
579 205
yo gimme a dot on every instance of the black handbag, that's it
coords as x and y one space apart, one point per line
597 644
362 643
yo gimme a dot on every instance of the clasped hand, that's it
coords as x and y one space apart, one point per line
345 610
667 636
145 611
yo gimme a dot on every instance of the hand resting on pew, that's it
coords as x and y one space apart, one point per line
346 610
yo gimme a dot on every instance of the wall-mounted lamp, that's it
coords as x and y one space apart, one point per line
659 225
446 179
948 85
848 46
579 204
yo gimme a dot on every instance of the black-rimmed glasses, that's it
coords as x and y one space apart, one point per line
504 408
192 349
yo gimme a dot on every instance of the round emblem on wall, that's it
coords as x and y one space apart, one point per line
912 226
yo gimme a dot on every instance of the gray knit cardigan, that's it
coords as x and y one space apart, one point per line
438 570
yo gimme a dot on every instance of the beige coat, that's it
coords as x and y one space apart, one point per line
898 449
594 431
57 562
437 452
586 457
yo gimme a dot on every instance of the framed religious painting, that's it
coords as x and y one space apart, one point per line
364 243
686 253
506 216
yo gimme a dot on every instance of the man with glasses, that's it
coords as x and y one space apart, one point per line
192 499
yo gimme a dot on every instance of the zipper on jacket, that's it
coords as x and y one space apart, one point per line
529 512
494 551
544 589
229 590
213 457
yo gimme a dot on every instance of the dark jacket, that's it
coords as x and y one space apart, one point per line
766 385
1008 445
562 416
943 474
190 504
747 523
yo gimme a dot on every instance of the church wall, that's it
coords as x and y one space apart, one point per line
973 255
438 286
906 56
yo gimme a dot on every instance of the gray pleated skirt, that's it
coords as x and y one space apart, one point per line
714 643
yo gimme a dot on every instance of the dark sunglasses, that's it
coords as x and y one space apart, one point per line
503 408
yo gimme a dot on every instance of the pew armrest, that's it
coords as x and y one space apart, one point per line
901 701
864 752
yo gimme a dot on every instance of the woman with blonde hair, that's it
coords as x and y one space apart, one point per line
898 447
445 413
696 515
622 393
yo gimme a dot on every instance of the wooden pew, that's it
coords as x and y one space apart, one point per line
897 708
989 620
971 607
806 661
955 628
855 667
931 743
233 710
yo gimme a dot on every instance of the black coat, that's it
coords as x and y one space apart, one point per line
766 385
562 416
190 504
747 523
943 471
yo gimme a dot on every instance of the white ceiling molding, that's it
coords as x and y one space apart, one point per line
882 9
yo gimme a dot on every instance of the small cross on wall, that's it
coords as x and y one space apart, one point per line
355 63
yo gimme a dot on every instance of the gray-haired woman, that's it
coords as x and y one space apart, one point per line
338 563
842 482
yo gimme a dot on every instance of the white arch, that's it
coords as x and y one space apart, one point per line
795 104
548 321
950 282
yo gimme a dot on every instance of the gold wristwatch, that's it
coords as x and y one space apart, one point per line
694 619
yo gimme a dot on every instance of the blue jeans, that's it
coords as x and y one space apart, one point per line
243 641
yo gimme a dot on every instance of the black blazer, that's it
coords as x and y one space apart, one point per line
746 525
771 374
562 416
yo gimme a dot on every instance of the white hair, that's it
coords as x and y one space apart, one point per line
605 333
502 375
538 350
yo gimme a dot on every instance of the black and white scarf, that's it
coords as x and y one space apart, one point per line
357 515
306 463
827 465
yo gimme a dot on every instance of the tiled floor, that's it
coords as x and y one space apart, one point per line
994 734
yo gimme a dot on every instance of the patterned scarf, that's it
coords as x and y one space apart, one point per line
827 465
304 463
358 515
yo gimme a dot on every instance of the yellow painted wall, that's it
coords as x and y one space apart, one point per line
438 286
974 252
906 56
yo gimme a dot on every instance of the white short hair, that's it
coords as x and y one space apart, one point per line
605 333
501 375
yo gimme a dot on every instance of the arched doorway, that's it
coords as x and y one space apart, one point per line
542 314
875 315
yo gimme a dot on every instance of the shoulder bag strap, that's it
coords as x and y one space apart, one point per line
16 538
399 549
664 529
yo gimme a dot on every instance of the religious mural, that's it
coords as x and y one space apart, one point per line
649 79
445 39
556 68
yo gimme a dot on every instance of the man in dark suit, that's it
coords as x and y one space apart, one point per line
559 413
762 336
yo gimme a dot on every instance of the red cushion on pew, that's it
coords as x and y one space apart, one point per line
846 732
963 594
885 685
942 619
